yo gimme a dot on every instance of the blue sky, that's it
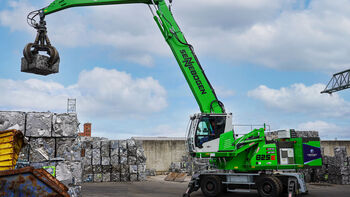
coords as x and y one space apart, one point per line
267 60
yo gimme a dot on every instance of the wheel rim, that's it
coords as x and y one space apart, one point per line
267 188
210 186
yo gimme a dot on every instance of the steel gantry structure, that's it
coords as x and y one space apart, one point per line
339 81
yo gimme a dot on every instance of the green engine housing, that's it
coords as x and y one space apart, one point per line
252 152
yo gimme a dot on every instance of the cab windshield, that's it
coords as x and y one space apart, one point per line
209 128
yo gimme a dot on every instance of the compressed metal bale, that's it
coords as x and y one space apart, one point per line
97 169
307 134
106 177
88 178
87 169
124 168
96 143
98 177
41 149
40 65
141 168
140 154
87 157
132 160
106 173
114 151
68 148
114 144
133 177
77 172
123 160
38 124
86 144
64 173
24 154
115 160
123 149
340 155
133 169
141 177
96 157
105 149
106 169
106 161
131 147
115 177
124 177
74 191
116 169
65 125
12 120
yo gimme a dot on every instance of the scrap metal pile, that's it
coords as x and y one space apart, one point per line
113 160
52 144
190 165
335 170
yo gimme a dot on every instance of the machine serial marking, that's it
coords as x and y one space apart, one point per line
188 63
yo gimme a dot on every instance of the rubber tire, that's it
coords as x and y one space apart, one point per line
271 181
215 182
280 183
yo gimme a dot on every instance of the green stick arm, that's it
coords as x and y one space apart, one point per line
58 5
188 61
183 52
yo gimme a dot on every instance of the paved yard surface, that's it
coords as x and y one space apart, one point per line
156 187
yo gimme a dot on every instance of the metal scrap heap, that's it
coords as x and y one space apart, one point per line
52 144
112 160
335 170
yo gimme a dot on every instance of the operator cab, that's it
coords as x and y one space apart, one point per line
204 131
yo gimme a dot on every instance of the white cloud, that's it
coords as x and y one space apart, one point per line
299 98
325 129
114 93
99 92
16 16
223 92
273 33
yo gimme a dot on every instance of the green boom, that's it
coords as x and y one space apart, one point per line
183 52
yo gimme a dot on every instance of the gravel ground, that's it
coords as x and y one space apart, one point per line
156 187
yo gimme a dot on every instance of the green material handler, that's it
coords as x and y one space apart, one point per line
247 162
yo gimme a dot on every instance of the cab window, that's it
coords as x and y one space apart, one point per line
209 128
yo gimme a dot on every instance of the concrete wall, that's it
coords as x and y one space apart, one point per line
328 146
160 152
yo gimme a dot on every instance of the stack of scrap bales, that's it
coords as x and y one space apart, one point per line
112 160
52 144
304 134
335 170
190 165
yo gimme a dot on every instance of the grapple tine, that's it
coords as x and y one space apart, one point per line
33 62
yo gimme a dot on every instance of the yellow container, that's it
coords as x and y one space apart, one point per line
11 142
